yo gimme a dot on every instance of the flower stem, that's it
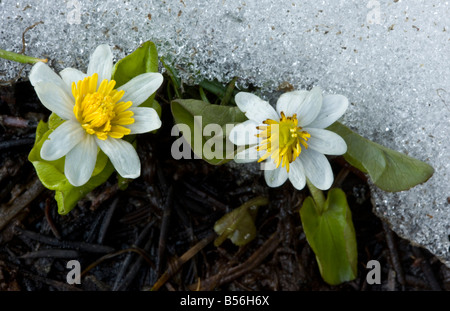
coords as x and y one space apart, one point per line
318 197
24 59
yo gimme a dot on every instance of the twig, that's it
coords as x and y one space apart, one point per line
136 216
164 229
341 161
202 196
56 284
8 144
106 221
426 268
112 255
343 173
7 213
416 282
127 260
103 196
52 253
173 268
23 35
134 269
81 246
10 121
252 262
395 258
50 220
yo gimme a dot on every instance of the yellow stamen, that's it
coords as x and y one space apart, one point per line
282 140
99 110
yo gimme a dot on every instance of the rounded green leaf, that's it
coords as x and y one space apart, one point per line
239 224
390 170
197 115
51 173
331 235
67 199
144 59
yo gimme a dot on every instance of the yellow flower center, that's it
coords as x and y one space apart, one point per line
282 140
99 111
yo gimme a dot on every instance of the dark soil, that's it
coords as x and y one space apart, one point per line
160 229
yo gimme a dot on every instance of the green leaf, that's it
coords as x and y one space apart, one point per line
219 90
331 235
54 121
228 93
67 199
41 129
173 75
51 173
388 169
144 59
239 224
184 111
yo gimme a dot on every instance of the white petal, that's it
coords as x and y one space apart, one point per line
145 120
333 107
101 62
326 142
297 174
317 168
122 156
276 177
138 89
80 161
255 108
290 101
43 73
244 133
247 156
309 109
70 75
62 140
55 99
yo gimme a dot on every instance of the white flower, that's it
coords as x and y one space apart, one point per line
96 114
292 139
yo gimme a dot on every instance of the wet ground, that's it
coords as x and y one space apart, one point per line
159 231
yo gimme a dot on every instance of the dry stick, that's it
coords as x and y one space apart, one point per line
341 161
122 251
106 221
343 173
81 246
56 284
50 220
11 81
204 196
233 273
173 268
7 213
164 229
52 253
23 35
8 144
187 224
11 121
134 269
394 254
127 260
426 268
416 282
